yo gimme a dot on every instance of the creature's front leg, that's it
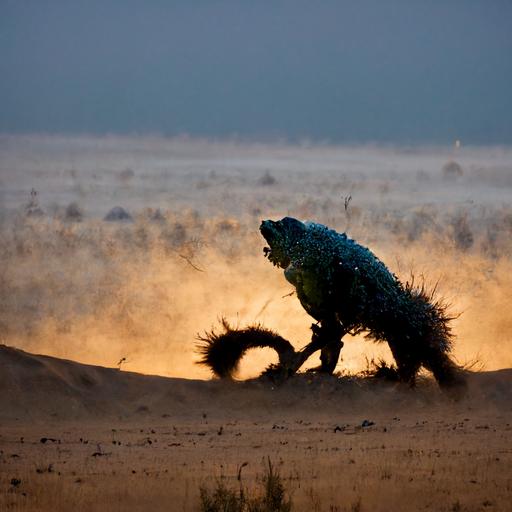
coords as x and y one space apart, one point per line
312 291
328 336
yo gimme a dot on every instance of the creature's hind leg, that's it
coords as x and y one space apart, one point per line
407 371
446 372
407 363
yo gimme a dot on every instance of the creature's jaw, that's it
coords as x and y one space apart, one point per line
267 252
274 259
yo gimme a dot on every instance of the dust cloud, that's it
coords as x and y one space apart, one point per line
135 291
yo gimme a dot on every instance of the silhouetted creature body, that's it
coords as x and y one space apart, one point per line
348 290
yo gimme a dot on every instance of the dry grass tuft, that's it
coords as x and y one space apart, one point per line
272 496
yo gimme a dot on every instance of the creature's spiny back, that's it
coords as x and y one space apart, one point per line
325 249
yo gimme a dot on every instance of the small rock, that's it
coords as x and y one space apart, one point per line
46 439
157 216
118 214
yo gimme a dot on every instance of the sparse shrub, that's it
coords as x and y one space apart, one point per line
222 499
419 222
178 235
274 499
267 179
271 499
490 242
452 170
228 225
380 369
73 213
32 208
126 175
462 234
507 221
155 215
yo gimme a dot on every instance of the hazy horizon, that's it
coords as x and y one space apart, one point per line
345 72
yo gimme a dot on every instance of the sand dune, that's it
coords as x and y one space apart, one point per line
39 387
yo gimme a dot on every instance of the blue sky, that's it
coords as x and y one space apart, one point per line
344 71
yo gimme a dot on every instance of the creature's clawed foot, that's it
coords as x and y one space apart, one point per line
278 373
320 369
327 339
454 385
289 363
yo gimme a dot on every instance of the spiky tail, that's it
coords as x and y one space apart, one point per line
222 352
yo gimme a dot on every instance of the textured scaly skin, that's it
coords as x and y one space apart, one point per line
347 289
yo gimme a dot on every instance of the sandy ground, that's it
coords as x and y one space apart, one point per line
92 438
74 435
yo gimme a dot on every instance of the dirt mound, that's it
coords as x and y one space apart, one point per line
39 387
118 214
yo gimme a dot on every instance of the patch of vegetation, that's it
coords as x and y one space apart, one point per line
380 369
271 498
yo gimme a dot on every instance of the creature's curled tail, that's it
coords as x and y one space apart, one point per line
223 352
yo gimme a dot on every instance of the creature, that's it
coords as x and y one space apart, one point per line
348 290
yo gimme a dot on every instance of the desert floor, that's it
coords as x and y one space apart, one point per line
113 303
90 438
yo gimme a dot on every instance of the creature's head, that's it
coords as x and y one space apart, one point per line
281 236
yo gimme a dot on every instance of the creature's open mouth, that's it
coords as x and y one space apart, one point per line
267 251
275 259
275 236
